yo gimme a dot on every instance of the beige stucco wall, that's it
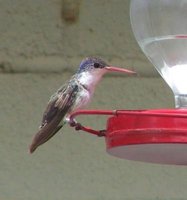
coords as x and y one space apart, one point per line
39 38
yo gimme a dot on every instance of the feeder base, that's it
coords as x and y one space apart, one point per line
175 154
156 136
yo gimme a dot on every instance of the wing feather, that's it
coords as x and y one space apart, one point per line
59 105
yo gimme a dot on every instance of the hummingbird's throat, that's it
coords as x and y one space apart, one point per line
90 79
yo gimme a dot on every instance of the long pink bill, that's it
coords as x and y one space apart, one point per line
117 69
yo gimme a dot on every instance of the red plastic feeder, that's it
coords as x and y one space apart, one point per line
156 136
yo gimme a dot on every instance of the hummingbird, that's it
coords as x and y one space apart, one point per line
74 95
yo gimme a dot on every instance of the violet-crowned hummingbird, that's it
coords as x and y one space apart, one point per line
72 96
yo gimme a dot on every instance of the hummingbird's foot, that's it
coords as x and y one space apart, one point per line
78 127
71 122
75 124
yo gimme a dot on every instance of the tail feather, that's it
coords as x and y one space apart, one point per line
41 137
47 131
53 116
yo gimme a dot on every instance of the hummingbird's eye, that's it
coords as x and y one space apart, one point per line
96 65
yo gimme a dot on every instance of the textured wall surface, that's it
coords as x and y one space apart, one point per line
41 37
36 37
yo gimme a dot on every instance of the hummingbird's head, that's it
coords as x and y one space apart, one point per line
92 69
93 64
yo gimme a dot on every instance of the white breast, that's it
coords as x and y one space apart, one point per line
90 79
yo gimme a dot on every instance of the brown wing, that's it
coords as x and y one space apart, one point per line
52 107
59 105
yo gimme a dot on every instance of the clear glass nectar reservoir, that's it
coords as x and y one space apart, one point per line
160 27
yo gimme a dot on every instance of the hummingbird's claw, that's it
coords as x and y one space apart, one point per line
75 124
72 123
78 127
